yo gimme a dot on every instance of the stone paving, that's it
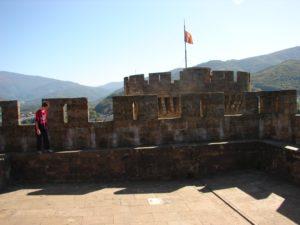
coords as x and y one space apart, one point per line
235 198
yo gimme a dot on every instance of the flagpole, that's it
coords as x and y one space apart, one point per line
185 55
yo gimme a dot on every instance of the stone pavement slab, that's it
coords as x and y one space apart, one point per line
235 198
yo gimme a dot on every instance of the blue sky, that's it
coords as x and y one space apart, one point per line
96 42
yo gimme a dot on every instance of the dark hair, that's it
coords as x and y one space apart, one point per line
45 104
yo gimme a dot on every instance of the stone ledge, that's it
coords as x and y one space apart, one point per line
283 145
157 162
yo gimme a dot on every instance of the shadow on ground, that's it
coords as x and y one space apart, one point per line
256 184
259 186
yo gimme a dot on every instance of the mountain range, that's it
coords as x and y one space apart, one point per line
257 63
251 64
31 89
277 70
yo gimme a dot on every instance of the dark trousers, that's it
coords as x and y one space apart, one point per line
42 139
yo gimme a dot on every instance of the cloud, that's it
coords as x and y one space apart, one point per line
238 2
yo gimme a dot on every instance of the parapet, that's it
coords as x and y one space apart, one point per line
250 103
140 108
157 120
222 75
284 102
134 84
194 73
191 105
202 105
160 78
159 83
71 111
10 113
222 81
192 80
243 81
195 79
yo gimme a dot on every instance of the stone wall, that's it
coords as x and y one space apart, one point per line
181 161
202 118
141 107
4 171
164 162
192 80
284 160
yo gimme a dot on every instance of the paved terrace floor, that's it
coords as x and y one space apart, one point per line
236 198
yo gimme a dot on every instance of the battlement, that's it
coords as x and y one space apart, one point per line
222 75
156 120
10 113
192 80
135 83
135 107
201 106
195 74
67 111
160 78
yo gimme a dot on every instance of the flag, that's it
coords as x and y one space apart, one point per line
188 37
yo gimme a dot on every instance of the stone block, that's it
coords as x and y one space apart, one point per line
143 107
10 113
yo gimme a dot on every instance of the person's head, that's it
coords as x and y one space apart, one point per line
45 105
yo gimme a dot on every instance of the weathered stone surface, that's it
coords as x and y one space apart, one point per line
76 110
229 198
192 80
141 108
10 113
201 107
4 171
175 113
153 162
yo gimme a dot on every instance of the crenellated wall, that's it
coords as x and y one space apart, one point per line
10 113
201 124
192 80
201 118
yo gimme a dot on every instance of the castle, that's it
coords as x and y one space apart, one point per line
192 81
200 108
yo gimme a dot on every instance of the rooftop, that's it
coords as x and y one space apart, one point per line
247 197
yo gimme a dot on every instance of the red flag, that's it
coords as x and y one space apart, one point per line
188 37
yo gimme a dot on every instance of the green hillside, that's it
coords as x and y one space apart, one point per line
251 64
104 107
285 75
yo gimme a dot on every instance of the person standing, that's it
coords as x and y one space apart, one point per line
41 127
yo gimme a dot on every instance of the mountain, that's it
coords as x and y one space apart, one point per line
252 64
33 88
112 86
257 63
104 107
285 75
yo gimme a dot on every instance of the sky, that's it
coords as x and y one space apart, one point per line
97 42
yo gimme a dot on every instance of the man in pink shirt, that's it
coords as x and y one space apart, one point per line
41 127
